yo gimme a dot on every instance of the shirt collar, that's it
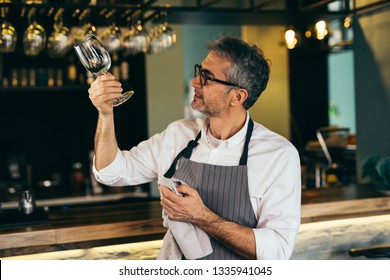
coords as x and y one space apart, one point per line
232 141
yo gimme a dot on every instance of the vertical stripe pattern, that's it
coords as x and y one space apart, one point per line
224 190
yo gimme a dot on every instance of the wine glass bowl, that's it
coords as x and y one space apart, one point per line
8 35
135 40
8 38
141 38
128 43
168 37
34 39
96 59
86 27
111 38
60 40
84 30
93 55
162 36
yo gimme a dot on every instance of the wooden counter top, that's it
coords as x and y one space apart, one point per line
70 227
342 202
339 193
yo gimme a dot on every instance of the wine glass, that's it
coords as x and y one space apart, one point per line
8 36
60 40
34 38
155 32
141 38
86 26
127 41
97 60
111 36
169 35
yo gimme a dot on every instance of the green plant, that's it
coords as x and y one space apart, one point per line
377 168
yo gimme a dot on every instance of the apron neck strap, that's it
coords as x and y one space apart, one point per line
186 152
244 156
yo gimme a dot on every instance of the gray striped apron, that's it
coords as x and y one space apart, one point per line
223 189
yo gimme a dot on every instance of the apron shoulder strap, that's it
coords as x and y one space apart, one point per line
186 152
244 156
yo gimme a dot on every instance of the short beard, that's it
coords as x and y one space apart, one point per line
206 111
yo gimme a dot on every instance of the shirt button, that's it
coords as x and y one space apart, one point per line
220 147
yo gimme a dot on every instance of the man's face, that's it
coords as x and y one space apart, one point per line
212 99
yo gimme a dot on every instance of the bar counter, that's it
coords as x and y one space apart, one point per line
85 226
126 222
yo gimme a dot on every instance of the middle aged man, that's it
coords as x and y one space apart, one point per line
239 182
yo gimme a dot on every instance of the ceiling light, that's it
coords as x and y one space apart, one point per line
321 30
290 38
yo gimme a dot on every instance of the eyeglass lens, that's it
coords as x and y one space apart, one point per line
202 75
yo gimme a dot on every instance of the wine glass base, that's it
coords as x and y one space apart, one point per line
125 96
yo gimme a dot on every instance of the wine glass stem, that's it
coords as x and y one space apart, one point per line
103 72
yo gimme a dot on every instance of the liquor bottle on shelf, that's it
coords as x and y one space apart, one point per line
90 77
16 171
115 66
23 74
32 77
82 78
59 78
78 179
72 71
5 82
14 78
50 80
124 71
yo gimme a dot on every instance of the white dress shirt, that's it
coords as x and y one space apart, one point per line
273 174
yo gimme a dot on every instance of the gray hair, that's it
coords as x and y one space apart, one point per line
249 68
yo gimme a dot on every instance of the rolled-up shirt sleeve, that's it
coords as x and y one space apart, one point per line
109 175
148 160
135 166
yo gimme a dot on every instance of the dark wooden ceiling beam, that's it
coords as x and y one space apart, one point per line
201 5
264 4
316 5
207 12
373 7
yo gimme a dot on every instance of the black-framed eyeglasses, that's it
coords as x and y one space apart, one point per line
203 77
